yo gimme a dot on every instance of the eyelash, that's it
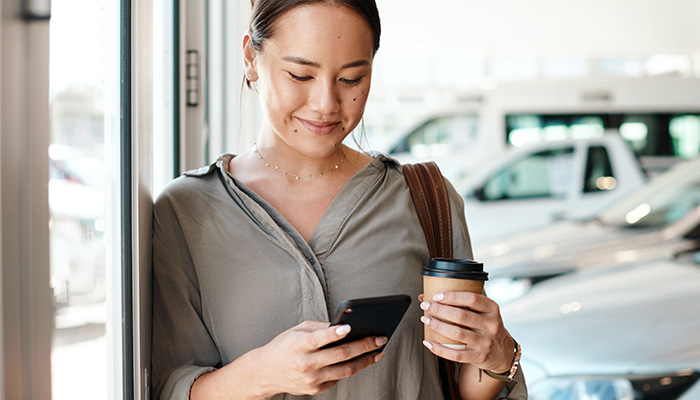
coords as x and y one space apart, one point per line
299 78
349 82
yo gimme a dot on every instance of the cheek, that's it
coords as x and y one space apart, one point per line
355 99
283 97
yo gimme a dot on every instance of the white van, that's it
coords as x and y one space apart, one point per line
659 117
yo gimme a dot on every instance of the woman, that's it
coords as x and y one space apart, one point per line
253 253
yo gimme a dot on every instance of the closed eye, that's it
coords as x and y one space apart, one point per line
351 82
299 78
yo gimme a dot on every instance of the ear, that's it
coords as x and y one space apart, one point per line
249 54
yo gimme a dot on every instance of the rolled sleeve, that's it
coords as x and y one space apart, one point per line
515 389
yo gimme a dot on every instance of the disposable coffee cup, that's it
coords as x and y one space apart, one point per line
451 275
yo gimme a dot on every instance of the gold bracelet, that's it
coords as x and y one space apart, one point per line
507 376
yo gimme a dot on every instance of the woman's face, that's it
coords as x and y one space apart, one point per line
313 77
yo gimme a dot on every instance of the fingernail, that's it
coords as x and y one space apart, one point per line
439 296
379 356
381 341
428 344
342 330
424 305
425 320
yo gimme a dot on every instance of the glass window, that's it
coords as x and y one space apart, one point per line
544 174
662 134
82 35
439 136
685 135
599 174
647 133
636 134
624 67
668 64
529 128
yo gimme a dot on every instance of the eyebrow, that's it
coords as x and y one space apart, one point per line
303 61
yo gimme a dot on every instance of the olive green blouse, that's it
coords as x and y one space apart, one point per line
230 274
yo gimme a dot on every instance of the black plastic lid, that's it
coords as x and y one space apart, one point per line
455 268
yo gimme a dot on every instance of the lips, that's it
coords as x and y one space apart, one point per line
319 127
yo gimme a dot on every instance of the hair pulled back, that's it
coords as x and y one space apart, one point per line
266 12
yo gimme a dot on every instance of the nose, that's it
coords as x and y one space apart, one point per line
325 98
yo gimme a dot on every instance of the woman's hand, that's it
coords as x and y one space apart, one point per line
294 363
472 319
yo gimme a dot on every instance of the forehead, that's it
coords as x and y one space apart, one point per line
320 29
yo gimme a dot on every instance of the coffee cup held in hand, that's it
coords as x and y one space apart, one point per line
451 275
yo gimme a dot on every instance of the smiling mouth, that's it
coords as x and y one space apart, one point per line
319 127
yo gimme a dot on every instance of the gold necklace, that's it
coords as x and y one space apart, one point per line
295 176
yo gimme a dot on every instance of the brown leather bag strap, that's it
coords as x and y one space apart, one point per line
429 195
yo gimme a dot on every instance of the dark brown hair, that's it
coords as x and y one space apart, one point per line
266 12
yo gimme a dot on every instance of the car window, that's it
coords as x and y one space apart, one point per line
437 136
684 131
543 174
599 174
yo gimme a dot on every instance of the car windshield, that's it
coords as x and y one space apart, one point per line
664 200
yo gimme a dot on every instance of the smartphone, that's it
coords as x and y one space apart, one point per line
370 316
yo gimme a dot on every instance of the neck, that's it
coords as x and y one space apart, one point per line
300 168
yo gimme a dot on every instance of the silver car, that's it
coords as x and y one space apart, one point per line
657 221
631 332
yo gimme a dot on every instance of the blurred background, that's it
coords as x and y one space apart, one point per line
571 129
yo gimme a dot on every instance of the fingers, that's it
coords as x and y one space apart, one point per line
466 356
345 360
454 332
337 354
351 350
303 367
473 301
471 319
321 334
350 368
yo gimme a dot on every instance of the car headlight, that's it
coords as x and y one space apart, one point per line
623 387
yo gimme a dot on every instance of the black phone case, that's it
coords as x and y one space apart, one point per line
371 316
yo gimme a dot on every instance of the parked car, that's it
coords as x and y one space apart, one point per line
658 220
625 333
537 184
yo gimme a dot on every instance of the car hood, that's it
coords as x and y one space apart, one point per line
546 248
630 319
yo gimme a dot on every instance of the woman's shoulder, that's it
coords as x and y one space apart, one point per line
192 183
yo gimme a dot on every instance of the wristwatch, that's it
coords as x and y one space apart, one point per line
508 376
